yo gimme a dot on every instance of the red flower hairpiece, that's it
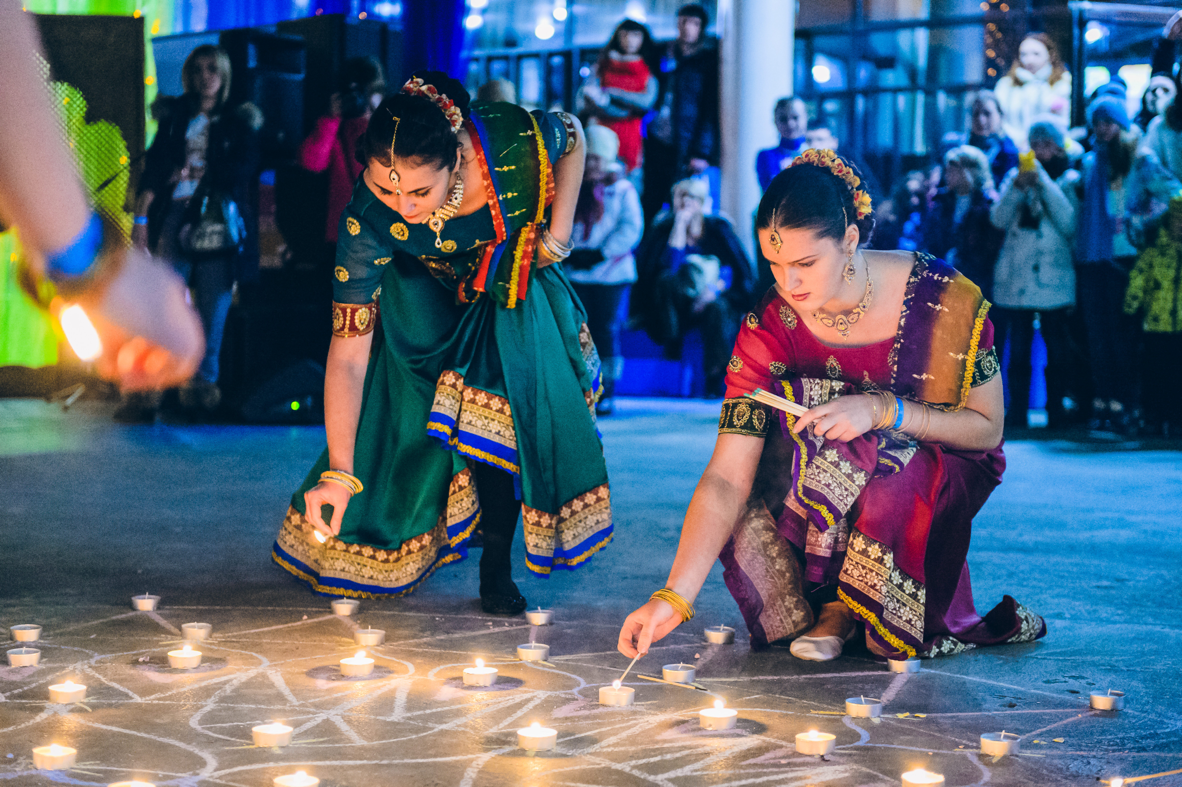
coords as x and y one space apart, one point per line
832 162
417 87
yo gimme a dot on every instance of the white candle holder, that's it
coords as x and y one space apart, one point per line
368 638
719 717
274 734
535 737
345 607
922 778
67 693
54 757
539 617
480 675
616 695
185 658
1108 700
1000 744
145 603
815 743
533 651
357 666
678 673
863 707
297 779
903 665
26 632
720 635
24 657
196 632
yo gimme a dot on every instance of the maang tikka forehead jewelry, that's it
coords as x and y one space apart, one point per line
394 178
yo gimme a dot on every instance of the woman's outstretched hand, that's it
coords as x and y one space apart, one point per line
326 493
842 419
647 625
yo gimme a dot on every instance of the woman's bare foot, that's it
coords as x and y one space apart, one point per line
835 620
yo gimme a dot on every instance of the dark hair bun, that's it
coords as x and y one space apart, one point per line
445 85
810 196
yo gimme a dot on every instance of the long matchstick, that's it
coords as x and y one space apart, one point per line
630 666
778 402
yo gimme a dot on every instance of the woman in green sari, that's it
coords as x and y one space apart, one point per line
475 401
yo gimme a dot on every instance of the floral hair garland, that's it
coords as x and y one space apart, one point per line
417 87
832 162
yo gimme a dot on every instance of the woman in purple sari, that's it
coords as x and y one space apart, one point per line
858 512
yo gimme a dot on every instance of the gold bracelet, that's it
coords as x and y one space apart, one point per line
679 604
350 482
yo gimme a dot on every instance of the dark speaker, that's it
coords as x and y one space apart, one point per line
294 396
269 71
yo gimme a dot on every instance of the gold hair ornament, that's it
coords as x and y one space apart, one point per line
832 162
394 177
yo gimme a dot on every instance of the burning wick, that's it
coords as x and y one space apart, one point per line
80 332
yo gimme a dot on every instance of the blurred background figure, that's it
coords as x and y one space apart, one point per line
1164 134
1035 277
820 136
683 137
622 88
693 273
958 229
194 208
1037 84
1158 95
791 117
986 134
608 225
497 90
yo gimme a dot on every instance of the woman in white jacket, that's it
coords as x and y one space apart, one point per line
1038 84
1035 276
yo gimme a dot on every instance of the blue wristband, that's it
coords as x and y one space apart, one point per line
141 221
899 415
75 260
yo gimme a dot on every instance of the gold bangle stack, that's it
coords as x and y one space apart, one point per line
551 249
350 482
890 409
679 604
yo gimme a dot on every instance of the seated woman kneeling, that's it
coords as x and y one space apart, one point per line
862 507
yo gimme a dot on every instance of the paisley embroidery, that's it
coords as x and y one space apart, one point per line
736 364
449 246
353 225
788 316
399 230
752 320
341 273
833 368
777 369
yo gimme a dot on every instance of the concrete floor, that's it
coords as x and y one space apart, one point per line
93 513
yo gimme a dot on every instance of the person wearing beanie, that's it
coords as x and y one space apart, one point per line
608 225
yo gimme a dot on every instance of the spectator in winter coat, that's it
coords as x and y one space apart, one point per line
791 116
622 88
957 228
1038 84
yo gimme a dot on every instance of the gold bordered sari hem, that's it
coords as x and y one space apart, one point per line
569 538
473 422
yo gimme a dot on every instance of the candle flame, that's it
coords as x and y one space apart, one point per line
320 536
301 774
812 732
480 663
56 750
719 704
69 684
187 649
535 726
83 338
615 684
1117 782
360 654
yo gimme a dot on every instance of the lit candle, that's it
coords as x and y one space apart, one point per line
863 707
816 743
921 778
54 757
535 737
274 734
24 657
616 694
26 632
297 779
367 638
719 717
903 665
80 332
198 632
678 673
65 693
345 606
358 666
999 744
480 675
720 635
539 617
320 536
145 603
533 651
1109 700
185 658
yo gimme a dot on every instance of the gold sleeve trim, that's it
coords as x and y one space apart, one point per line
572 136
744 416
353 319
986 367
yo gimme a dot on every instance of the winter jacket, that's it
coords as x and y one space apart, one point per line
614 236
687 106
1165 143
1155 287
970 245
1034 269
1139 199
331 146
1024 96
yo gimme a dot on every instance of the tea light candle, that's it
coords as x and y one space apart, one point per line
616 694
358 666
66 693
999 744
480 675
678 673
921 778
816 743
720 635
54 757
863 707
197 631
904 665
26 632
533 651
24 657
185 658
345 606
719 717
368 638
535 737
297 779
274 734
1109 700
539 617
145 603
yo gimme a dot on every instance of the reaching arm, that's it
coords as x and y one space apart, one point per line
568 179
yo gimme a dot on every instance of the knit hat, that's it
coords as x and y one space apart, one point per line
1047 130
602 142
1110 102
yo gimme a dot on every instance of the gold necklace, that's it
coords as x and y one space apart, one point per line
843 321
445 212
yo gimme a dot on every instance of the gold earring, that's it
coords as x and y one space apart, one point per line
849 272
